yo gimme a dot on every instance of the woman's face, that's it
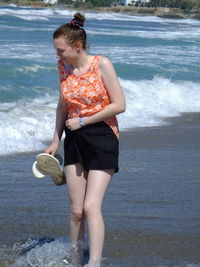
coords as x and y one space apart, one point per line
65 51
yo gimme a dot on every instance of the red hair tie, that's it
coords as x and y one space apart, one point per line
76 23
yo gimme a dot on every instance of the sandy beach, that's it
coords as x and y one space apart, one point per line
151 208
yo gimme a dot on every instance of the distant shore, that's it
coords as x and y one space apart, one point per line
173 13
159 12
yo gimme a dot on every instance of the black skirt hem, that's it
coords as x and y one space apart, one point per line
95 146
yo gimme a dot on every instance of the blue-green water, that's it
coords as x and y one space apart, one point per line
157 61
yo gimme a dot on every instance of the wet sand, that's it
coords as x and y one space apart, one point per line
151 208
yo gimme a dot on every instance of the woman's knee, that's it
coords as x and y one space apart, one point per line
76 215
91 208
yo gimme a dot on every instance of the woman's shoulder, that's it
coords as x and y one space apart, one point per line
104 63
104 60
101 59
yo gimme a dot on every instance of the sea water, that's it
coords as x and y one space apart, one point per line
157 62
150 224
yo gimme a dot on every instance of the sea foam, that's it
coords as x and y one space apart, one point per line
51 252
33 68
27 13
169 33
41 253
149 102
27 125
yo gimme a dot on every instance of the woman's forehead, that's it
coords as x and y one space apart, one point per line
60 42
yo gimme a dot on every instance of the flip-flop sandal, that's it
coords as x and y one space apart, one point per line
49 165
36 171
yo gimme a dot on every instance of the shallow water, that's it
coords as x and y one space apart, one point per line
151 208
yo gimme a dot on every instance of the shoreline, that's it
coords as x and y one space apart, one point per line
169 13
142 136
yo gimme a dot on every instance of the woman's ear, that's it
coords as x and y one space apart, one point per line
78 46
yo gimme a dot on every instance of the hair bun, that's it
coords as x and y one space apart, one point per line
78 20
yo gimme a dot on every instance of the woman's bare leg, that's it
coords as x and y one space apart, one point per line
97 184
76 184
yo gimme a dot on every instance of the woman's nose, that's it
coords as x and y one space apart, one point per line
58 55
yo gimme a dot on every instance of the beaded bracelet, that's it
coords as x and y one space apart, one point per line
81 122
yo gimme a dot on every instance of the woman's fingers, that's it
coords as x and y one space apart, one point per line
51 149
72 124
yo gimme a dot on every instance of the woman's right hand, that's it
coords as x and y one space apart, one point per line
52 148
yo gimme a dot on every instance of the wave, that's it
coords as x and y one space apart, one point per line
12 5
33 68
155 57
168 33
41 251
28 29
149 102
40 52
27 125
27 13
51 252
37 252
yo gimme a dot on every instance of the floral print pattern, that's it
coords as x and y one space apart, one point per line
85 94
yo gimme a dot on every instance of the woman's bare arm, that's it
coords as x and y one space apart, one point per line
117 99
111 82
61 116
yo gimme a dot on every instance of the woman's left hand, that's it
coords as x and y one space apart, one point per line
73 124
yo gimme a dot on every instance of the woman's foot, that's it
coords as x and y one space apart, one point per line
75 257
93 263
76 253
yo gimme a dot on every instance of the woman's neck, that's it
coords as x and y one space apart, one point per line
81 61
82 64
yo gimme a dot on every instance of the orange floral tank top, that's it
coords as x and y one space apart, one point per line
85 94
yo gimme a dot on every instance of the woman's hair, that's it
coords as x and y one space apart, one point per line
73 31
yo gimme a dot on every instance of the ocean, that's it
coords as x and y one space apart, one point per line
152 216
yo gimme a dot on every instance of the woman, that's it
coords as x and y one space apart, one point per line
90 97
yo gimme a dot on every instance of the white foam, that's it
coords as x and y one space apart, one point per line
39 52
27 29
150 101
125 17
64 13
28 13
168 33
27 125
48 254
134 55
52 254
33 68
170 55
31 18
174 29
12 5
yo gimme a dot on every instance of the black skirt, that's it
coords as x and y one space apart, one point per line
95 146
